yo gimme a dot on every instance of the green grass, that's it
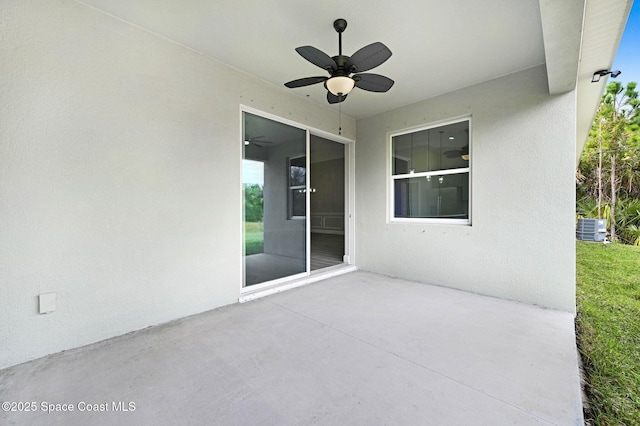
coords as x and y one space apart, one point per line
608 324
253 237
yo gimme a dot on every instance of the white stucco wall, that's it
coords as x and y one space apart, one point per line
120 182
520 245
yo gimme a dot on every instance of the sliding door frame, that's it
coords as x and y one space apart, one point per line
349 258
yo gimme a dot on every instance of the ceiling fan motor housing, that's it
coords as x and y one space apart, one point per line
341 62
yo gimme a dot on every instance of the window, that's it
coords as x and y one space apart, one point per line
297 187
430 174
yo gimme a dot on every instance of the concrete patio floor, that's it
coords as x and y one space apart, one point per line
357 349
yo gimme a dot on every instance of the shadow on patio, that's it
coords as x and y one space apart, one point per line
358 349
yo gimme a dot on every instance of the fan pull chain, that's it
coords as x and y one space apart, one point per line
340 114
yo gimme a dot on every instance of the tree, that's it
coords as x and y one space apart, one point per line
253 202
620 110
614 145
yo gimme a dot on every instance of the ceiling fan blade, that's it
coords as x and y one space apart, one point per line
307 81
333 99
317 57
368 57
373 82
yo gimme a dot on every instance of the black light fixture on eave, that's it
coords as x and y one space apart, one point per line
601 73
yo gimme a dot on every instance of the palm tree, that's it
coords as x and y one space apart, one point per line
634 233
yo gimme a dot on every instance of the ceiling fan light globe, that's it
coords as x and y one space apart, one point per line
340 85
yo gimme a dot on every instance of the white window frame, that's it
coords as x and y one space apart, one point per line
391 178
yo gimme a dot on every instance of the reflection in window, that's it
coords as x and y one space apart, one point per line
297 187
430 173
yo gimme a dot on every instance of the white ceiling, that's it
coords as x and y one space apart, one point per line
438 45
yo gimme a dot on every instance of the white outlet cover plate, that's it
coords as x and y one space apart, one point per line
47 302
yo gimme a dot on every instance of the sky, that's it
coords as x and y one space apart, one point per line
253 171
628 56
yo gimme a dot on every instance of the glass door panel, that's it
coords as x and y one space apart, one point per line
327 192
274 176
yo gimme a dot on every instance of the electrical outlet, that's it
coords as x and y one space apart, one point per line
47 302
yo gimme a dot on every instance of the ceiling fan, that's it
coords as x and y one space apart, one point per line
345 72
257 142
455 153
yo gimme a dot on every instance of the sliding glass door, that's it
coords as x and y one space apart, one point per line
327 193
296 198
274 176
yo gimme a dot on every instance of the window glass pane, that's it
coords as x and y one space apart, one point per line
450 147
445 196
440 148
298 171
297 187
410 153
298 202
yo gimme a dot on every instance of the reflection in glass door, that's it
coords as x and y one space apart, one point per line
275 199
327 159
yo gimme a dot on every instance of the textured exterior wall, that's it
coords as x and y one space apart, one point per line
120 181
520 245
